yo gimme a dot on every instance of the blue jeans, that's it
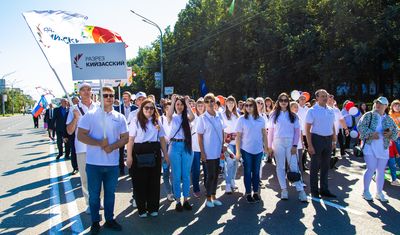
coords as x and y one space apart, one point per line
96 176
251 164
398 144
181 164
196 171
392 166
231 166
166 176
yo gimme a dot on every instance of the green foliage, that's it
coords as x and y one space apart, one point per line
270 46
16 99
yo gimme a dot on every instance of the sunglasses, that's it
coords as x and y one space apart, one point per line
151 108
248 105
108 96
209 101
259 102
284 100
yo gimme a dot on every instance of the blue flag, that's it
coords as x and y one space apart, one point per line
203 87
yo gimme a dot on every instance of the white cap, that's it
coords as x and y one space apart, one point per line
140 94
382 100
85 84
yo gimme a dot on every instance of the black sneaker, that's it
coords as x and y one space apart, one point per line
113 225
95 228
178 207
250 199
187 206
256 197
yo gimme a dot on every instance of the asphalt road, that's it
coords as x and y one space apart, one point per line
37 195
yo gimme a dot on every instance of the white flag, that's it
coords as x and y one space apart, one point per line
54 31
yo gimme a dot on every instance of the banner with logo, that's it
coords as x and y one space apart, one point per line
103 61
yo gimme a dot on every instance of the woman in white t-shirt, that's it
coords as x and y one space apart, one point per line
180 149
230 117
146 138
167 179
251 140
263 113
283 139
199 110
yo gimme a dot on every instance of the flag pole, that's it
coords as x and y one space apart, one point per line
48 62
104 111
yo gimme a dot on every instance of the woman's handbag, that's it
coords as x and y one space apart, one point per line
146 160
291 175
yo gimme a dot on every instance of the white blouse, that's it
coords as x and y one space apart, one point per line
176 123
152 134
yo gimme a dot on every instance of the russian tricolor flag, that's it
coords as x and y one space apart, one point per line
42 104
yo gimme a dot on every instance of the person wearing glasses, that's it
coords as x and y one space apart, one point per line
263 113
179 116
146 135
376 129
251 140
104 132
211 140
199 110
230 117
283 138
321 139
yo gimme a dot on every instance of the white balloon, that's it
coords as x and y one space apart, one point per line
295 94
353 111
353 134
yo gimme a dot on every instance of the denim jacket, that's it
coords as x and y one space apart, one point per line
366 132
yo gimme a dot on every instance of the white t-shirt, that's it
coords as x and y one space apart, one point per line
321 119
115 125
283 128
211 127
152 134
132 115
79 146
302 113
175 123
338 117
266 118
229 125
166 126
252 133
195 138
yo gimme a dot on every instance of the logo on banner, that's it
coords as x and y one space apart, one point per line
76 60
46 34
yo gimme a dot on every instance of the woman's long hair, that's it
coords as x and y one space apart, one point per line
391 109
185 124
277 109
142 118
228 113
255 111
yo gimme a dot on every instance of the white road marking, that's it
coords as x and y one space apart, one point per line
55 209
325 203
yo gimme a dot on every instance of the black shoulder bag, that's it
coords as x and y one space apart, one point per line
147 159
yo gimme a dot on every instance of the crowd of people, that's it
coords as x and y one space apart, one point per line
179 138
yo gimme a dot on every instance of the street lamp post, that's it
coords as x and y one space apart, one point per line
161 49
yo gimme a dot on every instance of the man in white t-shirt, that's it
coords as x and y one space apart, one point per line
84 105
104 132
321 138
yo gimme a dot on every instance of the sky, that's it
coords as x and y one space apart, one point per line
19 51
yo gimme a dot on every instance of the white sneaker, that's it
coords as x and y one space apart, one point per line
228 189
395 182
134 203
284 194
303 196
170 197
154 214
217 203
87 211
367 196
144 215
210 204
381 197
233 185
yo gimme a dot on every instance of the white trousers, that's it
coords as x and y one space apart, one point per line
377 165
282 147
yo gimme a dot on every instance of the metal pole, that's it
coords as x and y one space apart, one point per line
119 98
3 104
161 49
